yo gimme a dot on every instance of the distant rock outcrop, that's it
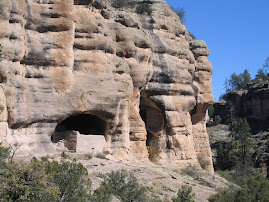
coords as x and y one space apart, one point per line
252 103
138 80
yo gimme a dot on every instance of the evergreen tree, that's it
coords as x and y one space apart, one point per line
260 74
242 135
245 79
235 81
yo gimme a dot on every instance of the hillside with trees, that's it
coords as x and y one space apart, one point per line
239 132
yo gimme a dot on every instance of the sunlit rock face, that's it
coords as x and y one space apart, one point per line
138 80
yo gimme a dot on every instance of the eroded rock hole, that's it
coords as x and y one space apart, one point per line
154 122
81 133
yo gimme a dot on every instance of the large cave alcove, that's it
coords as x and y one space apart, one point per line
81 133
154 123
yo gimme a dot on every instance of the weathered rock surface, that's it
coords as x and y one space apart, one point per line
138 80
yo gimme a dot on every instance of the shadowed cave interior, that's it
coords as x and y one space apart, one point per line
154 122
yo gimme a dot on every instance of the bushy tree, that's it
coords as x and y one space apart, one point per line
226 157
256 189
184 194
25 182
123 185
235 81
71 178
43 180
240 81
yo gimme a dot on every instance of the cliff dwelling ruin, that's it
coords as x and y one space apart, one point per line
81 133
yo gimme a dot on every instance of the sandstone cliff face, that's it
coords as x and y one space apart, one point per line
136 80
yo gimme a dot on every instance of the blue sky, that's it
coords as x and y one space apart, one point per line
236 32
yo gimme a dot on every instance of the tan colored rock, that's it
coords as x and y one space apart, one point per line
135 79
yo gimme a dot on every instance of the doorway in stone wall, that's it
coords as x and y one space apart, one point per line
154 123
82 133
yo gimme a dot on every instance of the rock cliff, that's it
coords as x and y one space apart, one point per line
77 68
251 103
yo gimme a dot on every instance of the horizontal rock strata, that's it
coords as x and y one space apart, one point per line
138 80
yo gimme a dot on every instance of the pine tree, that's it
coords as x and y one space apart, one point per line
260 74
242 135
245 79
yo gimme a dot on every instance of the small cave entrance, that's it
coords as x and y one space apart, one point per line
154 122
81 133
82 2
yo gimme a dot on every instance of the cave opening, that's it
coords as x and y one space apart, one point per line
81 132
154 123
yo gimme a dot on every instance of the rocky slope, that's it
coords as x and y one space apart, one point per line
72 70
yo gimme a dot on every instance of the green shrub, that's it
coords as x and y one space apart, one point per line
101 156
224 195
25 182
143 8
192 171
4 154
184 195
123 185
89 156
71 178
217 120
42 180
118 3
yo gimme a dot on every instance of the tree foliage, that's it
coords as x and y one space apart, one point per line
261 74
211 111
217 120
42 180
255 189
237 82
181 13
143 8
184 194
242 136
123 185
